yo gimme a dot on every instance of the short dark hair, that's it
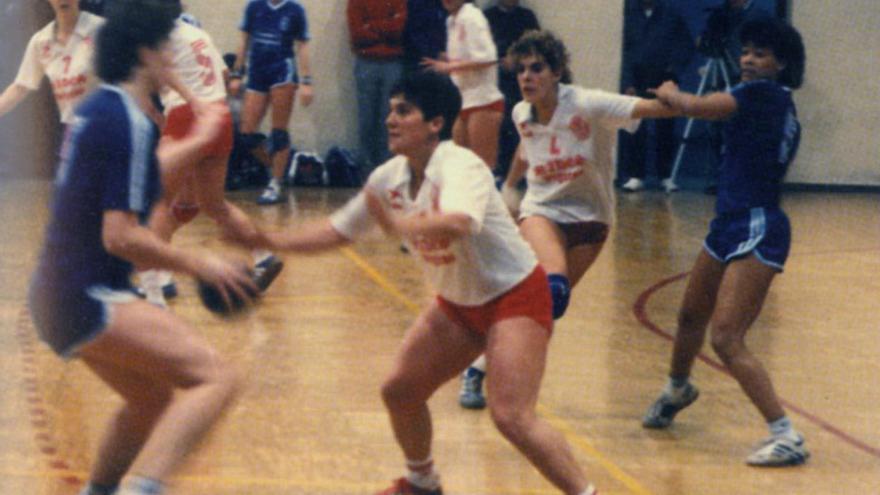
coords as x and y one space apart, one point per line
434 94
131 25
785 42
546 45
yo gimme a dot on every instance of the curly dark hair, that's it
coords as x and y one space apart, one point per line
785 42
546 45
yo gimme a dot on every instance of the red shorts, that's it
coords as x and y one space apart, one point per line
466 113
180 121
529 298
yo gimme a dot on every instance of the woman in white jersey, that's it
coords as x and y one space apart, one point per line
200 69
492 295
470 60
61 51
567 136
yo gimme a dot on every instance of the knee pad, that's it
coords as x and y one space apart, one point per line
560 290
252 140
184 212
279 140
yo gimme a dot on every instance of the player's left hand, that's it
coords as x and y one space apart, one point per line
665 91
433 64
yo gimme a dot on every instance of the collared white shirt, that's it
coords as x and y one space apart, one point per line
468 37
571 165
473 269
69 66
197 64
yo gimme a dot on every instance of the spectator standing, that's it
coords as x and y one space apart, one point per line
376 29
424 33
656 47
508 20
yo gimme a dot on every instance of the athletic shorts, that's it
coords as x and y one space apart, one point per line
180 121
497 106
579 233
530 298
265 77
69 319
762 231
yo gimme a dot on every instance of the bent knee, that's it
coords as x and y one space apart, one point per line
726 343
399 394
512 422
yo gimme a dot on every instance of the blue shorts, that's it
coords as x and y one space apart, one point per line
762 231
265 77
68 319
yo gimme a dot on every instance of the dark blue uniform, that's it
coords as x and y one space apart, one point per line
108 162
272 30
760 141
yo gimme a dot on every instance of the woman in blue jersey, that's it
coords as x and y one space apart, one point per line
749 238
271 29
174 385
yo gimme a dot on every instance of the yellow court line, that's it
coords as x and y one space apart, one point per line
585 445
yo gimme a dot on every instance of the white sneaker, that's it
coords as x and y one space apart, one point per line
778 452
151 284
669 185
633 185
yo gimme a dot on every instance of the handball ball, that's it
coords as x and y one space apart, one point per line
213 300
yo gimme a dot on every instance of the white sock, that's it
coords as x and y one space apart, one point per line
480 363
782 427
591 490
275 183
422 474
139 485
675 387
165 277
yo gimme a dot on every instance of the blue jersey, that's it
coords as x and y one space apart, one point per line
108 162
760 141
273 29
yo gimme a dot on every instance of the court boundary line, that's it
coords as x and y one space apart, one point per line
578 439
640 311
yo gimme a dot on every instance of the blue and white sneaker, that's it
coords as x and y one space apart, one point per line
779 451
664 409
471 395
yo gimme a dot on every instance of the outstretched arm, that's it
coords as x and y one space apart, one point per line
11 97
313 237
714 106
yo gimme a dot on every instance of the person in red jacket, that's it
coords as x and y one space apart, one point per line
376 31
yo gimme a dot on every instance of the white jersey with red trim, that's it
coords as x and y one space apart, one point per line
469 38
473 269
197 64
571 165
68 66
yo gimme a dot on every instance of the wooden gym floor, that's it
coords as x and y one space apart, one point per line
317 347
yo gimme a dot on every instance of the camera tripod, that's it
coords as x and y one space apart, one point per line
717 70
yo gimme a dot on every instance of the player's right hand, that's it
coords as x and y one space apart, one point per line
227 276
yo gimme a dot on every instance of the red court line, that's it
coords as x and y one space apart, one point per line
641 314
37 408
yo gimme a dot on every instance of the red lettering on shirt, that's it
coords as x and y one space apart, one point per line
561 169
580 128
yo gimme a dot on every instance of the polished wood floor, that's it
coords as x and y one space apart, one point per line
316 349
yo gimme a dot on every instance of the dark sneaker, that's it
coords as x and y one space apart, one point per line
664 409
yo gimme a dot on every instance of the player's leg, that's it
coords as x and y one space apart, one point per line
171 356
693 319
281 108
433 351
549 243
459 132
483 130
740 299
516 354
